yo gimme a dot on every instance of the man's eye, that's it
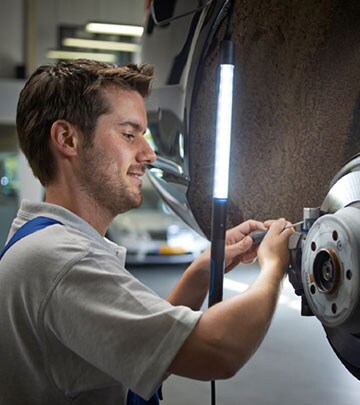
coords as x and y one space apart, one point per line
128 136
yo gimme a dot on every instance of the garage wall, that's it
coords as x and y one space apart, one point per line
11 36
28 27
51 13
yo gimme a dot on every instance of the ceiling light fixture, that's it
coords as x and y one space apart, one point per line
104 45
68 55
115 29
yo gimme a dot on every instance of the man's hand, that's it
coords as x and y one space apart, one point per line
273 251
193 286
239 247
239 244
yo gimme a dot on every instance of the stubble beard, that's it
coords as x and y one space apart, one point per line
101 180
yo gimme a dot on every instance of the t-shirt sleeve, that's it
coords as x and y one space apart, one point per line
106 316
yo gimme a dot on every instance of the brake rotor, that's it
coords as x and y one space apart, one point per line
330 263
331 266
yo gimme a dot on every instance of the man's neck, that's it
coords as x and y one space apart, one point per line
81 205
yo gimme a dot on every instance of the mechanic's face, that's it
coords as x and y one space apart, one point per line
112 167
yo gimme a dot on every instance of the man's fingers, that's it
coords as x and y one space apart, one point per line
240 247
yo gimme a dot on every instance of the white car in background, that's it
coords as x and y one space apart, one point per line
152 234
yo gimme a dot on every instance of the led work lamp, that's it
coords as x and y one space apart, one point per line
221 170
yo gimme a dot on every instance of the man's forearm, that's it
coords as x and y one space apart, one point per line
229 332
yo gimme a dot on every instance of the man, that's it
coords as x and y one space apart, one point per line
75 325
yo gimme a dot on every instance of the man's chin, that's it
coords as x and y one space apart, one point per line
135 202
138 200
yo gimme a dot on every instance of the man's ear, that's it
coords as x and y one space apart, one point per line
64 138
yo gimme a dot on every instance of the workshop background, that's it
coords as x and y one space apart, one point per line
295 364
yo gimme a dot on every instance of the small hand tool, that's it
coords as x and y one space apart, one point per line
258 236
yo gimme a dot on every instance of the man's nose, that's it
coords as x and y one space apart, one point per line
147 153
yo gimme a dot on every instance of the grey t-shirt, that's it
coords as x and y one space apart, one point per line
75 326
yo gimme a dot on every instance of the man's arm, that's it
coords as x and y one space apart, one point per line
193 286
229 332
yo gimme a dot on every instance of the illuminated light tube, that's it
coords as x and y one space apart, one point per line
115 29
223 132
103 45
68 55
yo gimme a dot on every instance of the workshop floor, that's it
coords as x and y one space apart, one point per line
295 364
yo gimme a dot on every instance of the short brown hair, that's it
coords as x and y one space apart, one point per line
72 91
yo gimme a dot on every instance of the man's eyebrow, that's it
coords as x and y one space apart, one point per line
132 124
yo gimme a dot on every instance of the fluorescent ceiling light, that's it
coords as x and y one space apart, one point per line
101 57
105 45
116 29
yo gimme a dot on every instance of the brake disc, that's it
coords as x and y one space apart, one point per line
331 266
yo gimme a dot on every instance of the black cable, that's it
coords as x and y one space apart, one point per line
213 393
229 25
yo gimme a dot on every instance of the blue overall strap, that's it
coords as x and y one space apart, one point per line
133 399
29 227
